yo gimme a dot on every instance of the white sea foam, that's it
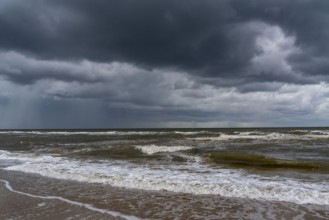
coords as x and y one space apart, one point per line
320 132
251 135
266 136
192 132
152 149
85 205
261 135
195 178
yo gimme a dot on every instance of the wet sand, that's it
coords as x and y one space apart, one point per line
17 203
17 206
138 203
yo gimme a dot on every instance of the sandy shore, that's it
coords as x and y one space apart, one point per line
31 201
17 203
16 206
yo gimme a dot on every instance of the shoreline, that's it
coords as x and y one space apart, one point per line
62 201
128 203
14 205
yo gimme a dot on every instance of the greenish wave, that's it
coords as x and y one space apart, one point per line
264 162
115 152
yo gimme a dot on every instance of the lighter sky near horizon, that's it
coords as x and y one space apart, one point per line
164 63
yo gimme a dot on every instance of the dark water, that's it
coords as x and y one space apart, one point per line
267 164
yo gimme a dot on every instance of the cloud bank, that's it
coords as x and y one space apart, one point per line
98 64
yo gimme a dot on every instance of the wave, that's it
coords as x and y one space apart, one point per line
115 152
194 178
100 133
264 162
194 132
153 149
274 136
202 135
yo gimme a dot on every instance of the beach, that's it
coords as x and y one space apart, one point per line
160 175
135 204
21 205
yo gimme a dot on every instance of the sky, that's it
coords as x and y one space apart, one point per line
163 63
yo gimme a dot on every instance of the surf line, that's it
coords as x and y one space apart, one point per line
84 205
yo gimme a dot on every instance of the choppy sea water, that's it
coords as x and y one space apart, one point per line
289 165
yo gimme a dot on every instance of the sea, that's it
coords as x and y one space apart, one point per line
215 173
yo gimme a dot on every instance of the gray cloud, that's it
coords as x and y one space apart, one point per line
208 38
163 63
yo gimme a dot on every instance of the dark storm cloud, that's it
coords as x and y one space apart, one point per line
186 34
305 18
207 38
